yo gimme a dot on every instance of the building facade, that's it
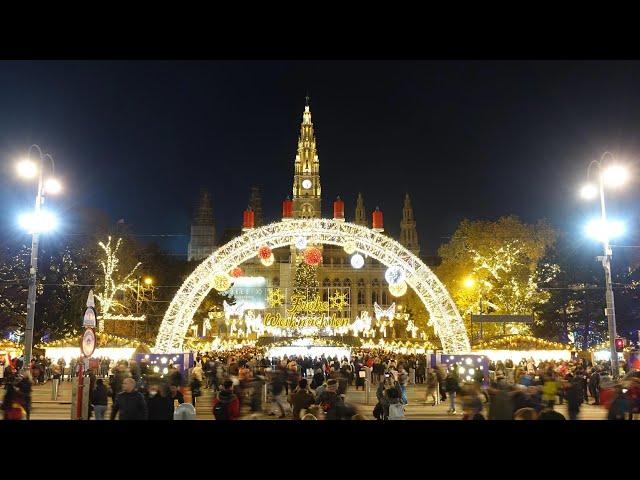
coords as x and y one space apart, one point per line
366 285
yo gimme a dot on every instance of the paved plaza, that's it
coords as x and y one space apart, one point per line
44 408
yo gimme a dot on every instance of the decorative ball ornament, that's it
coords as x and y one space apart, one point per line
301 243
267 262
394 275
312 256
357 261
264 252
222 282
398 289
349 247
236 272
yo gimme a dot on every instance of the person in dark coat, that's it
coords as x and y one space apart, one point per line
98 399
301 399
574 396
129 403
318 379
594 386
24 387
159 404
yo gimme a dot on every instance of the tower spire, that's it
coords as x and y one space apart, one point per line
408 232
306 180
203 229
361 215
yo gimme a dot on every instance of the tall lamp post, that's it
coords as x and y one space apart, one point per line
613 176
35 223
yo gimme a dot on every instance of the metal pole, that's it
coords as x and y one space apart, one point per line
606 264
33 274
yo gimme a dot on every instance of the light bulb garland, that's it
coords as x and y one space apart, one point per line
236 272
349 247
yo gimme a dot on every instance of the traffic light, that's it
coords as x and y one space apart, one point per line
619 344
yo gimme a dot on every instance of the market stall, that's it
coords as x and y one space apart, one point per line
517 347
109 346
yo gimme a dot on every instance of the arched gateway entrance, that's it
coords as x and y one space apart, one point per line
444 315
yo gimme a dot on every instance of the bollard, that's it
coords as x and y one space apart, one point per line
366 391
54 388
264 393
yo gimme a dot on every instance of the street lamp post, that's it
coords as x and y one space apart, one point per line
616 175
28 169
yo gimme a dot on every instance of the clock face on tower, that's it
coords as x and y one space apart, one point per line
306 184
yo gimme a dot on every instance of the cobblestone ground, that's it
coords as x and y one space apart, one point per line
44 408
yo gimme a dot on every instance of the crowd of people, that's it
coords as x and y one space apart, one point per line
245 384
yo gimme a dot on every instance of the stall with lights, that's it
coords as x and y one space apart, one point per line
160 363
468 365
107 346
518 347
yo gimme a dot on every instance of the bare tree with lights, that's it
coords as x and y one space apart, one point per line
112 284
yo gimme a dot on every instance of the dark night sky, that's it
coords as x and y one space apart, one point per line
474 139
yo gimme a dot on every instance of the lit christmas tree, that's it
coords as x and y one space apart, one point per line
306 281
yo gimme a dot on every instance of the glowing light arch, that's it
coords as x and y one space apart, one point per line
444 315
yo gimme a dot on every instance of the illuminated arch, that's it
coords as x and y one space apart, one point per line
443 313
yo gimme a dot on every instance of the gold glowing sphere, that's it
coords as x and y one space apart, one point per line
398 289
469 282
349 247
222 282
148 281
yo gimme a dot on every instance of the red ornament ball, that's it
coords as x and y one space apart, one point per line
312 256
264 252
236 272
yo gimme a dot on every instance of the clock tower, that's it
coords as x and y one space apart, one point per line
306 179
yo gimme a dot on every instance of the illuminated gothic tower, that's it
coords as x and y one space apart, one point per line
306 180
255 202
203 230
408 233
361 215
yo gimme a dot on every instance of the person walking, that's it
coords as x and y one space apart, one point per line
196 383
277 387
432 386
159 404
129 403
403 379
574 396
98 399
301 398
452 386
24 387
226 405
594 385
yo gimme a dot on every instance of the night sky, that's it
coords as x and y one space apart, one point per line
475 139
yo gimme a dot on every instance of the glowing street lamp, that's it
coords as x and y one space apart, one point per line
148 281
39 221
469 282
603 230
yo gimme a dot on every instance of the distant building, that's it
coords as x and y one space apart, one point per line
367 284
203 230
255 202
